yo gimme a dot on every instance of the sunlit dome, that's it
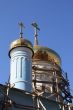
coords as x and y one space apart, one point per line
20 42
46 54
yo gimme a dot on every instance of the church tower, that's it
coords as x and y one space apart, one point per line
37 81
20 54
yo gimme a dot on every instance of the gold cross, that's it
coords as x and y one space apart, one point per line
21 28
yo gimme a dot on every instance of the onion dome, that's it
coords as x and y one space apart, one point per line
21 42
46 54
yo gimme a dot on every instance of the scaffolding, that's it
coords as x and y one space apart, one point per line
53 81
49 82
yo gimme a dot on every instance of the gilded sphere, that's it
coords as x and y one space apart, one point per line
21 42
46 54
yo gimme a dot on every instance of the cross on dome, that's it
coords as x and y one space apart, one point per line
36 28
21 25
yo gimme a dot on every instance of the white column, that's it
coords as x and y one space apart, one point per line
21 68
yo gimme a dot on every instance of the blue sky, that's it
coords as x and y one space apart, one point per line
55 19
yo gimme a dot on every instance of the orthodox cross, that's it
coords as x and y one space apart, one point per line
36 28
21 25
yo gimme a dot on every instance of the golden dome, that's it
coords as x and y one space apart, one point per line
21 42
46 54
